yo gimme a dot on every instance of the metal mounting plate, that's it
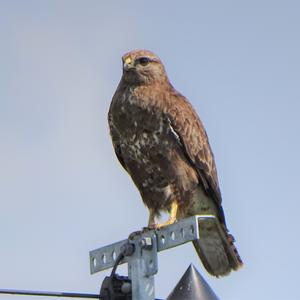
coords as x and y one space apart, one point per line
170 236
105 257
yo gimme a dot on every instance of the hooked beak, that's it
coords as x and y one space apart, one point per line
128 63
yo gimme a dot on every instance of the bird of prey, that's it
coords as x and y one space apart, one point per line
161 142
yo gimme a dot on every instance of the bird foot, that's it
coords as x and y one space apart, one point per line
160 225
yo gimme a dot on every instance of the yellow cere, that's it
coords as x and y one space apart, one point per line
127 60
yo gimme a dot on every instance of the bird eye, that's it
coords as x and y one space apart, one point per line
144 61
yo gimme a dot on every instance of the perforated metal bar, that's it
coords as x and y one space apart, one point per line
170 236
105 257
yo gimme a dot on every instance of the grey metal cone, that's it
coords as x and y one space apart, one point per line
192 286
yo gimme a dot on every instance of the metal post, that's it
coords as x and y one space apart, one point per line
143 266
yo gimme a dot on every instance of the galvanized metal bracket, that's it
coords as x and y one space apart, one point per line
142 261
170 236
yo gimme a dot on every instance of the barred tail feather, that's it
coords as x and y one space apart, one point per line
216 248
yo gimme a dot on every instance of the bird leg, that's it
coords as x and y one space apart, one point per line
151 225
172 218
151 222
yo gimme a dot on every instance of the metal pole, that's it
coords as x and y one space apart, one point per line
143 266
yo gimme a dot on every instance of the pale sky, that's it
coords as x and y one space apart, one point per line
62 190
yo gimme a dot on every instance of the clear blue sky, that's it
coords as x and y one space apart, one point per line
62 190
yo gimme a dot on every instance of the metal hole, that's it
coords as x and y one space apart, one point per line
172 235
163 239
192 229
94 262
114 255
151 263
149 289
103 258
182 232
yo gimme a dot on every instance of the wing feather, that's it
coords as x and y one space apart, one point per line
194 142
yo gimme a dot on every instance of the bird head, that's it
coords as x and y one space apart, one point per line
142 67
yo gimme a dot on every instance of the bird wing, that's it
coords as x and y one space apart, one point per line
216 247
190 131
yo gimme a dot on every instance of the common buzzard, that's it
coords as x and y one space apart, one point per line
162 144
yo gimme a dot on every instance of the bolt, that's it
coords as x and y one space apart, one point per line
126 288
146 243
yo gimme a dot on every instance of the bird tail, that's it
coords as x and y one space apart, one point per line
216 248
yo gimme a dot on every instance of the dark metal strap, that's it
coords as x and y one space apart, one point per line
49 294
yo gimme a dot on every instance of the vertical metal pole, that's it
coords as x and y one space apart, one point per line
142 266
